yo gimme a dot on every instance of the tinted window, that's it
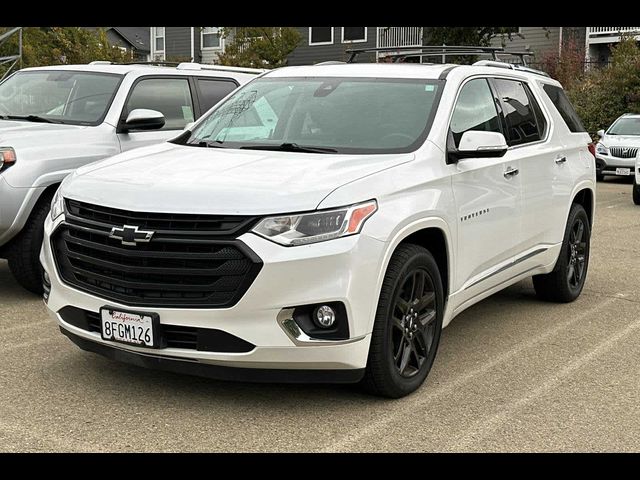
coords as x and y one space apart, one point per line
321 34
565 109
212 91
348 115
171 96
519 110
475 110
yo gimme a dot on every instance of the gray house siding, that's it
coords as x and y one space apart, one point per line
177 43
536 39
306 54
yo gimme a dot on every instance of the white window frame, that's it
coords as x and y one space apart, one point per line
218 48
355 41
155 52
322 43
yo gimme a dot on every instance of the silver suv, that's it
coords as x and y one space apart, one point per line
56 119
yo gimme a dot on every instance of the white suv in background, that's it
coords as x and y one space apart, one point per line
56 119
617 148
323 223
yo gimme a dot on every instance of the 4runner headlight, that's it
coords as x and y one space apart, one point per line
7 157
312 227
57 205
601 149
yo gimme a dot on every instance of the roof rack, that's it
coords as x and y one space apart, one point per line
510 66
429 50
442 51
222 68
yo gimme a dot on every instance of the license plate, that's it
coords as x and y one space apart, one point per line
623 171
129 327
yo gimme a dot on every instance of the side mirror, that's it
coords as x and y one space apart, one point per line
143 119
600 133
479 144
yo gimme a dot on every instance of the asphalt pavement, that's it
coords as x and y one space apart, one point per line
512 374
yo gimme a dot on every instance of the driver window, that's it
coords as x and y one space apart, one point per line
171 96
475 110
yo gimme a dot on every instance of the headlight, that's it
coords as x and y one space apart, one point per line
7 157
601 149
57 205
312 227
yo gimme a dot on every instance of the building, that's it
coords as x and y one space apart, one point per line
196 44
134 40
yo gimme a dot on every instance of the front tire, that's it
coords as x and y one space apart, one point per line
24 254
566 281
408 323
636 193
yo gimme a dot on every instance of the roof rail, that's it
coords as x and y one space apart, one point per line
331 62
429 51
158 64
100 62
221 68
510 66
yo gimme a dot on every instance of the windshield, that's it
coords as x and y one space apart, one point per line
625 126
80 98
344 115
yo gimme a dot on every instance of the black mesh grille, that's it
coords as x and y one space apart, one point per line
190 261
171 336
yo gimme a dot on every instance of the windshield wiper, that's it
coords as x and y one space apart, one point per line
207 143
290 147
30 118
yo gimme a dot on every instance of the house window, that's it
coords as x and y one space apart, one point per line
354 34
320 35
158 39
211 38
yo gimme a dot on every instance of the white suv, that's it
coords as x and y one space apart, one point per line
323 223
56 119
617 148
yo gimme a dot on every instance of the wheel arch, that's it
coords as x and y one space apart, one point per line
586 197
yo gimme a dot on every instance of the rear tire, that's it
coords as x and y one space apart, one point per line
408 323
636 193
565 282
24 254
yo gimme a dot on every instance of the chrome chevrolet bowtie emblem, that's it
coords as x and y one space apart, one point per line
130 235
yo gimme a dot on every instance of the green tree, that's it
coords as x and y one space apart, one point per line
605 94
63 45
260 47
477 36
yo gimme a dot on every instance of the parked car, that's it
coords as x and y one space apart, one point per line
55 119
323 223
618 146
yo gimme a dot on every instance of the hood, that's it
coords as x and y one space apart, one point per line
181 179
621 140
18 133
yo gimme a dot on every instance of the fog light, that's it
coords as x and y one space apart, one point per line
324 316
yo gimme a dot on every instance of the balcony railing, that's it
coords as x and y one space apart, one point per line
399 36
611 30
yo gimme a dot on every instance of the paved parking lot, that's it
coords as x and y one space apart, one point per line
512 374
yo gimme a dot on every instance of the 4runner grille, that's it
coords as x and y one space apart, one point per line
623 152
189 261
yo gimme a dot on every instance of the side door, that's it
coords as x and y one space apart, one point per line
541 165
170 95
487 196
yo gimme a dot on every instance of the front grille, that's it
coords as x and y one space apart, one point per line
623 152
191 260
171 336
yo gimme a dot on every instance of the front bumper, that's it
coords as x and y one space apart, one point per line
607 164
344 270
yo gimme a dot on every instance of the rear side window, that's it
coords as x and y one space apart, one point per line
523 116
171 96
212 91
565 109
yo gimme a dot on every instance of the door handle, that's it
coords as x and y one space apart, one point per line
560 160
510 172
